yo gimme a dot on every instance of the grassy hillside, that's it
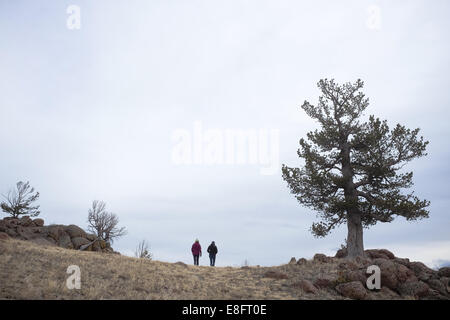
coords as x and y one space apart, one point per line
29 271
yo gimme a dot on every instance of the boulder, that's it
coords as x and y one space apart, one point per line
419 267
26 233
437 285
434 295
386 292
75 231
446 282
404 274
11 221
355 275
392 274
444 272
38 222
323 283
3 236
64 241
11 233
403 261
55 231
379 253
320 257
79 241
306 286
347 265
3 226
302 261
341 253
416 289
25 221
41 230
387 253
383 294
422 271
293 261
352 290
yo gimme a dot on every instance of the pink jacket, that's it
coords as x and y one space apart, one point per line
196 249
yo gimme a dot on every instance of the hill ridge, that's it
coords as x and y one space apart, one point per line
33 271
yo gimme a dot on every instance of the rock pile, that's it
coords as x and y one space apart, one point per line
69 237
400 278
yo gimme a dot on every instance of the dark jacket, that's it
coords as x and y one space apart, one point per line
212 249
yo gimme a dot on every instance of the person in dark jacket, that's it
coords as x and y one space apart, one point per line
196 251
212 250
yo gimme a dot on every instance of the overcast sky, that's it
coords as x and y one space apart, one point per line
94 113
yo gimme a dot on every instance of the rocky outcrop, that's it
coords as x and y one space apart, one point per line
400 278
68 237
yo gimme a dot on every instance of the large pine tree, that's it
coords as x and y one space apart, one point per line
353 170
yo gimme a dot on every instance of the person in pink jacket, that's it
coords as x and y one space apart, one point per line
196 251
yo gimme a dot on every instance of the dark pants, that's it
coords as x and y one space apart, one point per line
212 260
196 259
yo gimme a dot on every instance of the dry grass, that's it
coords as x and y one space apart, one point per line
29 271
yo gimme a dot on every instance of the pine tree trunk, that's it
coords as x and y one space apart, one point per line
355 245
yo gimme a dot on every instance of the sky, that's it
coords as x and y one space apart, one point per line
131 103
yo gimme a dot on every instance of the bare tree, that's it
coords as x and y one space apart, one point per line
103 223
143 251
19 201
